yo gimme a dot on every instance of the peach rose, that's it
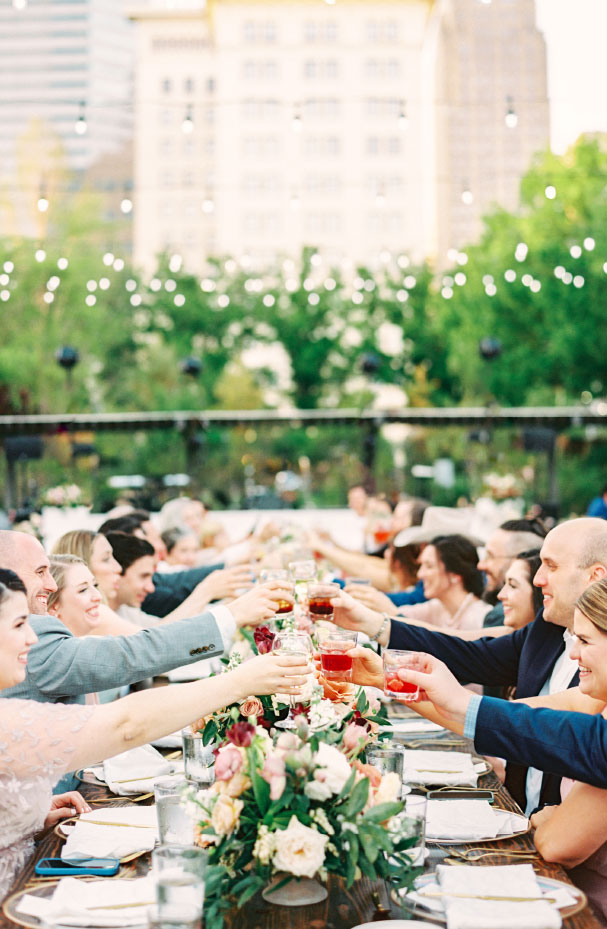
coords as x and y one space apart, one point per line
252 706
370 771
237 785
226 815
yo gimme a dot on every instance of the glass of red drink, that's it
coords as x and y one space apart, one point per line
319 600
335 661
394 686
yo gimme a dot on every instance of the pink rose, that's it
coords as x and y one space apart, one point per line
287 741
273 772
227 763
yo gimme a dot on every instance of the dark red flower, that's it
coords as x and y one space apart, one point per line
301 709
241 734
263 639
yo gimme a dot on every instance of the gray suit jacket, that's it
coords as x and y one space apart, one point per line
62 668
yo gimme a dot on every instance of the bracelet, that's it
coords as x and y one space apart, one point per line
382 628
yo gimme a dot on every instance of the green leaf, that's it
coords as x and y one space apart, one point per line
358 798
368 845
345 791
381 812
261 789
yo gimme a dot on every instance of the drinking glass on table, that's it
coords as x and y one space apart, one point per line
175 825
414 825
179 877
293 643
320 596
389 758
396 660
334 645
198 758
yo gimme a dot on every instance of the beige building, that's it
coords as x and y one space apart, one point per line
351 126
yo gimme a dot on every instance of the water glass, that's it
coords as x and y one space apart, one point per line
334 645
175 825
182 917
388 758
414 824
179 877
198 759
394 686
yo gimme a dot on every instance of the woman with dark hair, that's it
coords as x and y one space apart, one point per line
521 600
448 567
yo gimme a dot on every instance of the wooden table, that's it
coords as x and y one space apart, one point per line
344 908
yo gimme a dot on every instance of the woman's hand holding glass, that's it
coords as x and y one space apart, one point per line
294 644
269 674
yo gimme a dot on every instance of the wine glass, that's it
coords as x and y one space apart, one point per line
293 643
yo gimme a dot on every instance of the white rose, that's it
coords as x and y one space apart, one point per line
332 767
299 849
317 790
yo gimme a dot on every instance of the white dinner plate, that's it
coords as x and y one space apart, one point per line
525 826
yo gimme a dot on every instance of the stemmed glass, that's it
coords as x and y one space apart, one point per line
293 643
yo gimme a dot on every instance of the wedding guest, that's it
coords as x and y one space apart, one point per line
520 599
96 551
512 537
574 833
78 601
41 742
182 547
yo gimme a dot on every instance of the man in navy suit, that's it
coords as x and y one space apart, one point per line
534 658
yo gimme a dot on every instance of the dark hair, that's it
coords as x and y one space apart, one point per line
535 526
10 583
532 559
406 557
128 549
418 508
459 556
127 523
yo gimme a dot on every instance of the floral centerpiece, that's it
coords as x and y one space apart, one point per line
302 807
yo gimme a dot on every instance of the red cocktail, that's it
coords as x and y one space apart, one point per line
335 662
395 662
319 600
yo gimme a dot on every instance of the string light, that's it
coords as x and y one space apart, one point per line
296 121
550 192
403 120
467 196
80 126
575 251
511 119
126 205
187 125
208 204
42 204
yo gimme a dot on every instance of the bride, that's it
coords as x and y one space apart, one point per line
40 741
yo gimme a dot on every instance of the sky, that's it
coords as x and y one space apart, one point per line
575 33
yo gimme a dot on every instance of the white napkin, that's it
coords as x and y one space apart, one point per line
499 881
133 772
469 820
88 839
195 671
73 900
168 741
429 767
414 726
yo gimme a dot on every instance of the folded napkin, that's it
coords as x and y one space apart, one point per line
469 820
501 881
75 903
429 767
195 671
168 741
414 726
89 839
134 771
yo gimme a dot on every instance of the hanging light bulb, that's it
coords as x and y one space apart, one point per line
208 204
187 125
126 205
403 119
296 121
81 127
511 119
42 200
19 4
467 195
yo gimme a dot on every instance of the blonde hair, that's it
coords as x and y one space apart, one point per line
593 603
78 542
60 565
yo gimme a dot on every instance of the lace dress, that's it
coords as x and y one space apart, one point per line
36 742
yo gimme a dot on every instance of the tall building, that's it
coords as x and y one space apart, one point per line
65 100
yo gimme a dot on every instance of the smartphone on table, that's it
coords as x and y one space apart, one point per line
102 867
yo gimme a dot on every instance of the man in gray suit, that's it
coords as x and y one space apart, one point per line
63 669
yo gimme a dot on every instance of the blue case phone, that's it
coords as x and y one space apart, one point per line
51 867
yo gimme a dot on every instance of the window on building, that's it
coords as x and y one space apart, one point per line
166 85
188 85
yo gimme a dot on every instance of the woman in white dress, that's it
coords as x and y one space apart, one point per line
39 742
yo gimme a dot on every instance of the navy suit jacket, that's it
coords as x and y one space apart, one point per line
170 590
524 659
564 743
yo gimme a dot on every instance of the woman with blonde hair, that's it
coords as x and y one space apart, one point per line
95 550
573 833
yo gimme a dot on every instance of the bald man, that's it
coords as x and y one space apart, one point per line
533 658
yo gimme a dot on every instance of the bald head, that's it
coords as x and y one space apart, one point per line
23 554
574 555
